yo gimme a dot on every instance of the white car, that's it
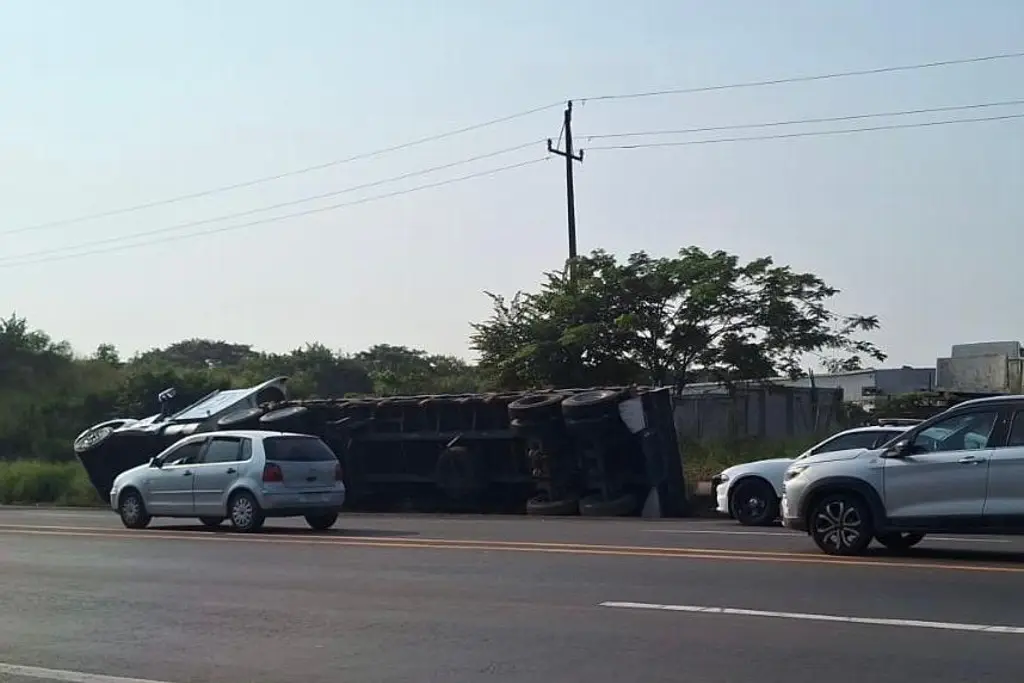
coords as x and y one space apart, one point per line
242 475
750 492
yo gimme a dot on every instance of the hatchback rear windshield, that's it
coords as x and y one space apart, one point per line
297 449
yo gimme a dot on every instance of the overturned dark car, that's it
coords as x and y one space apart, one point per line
109 448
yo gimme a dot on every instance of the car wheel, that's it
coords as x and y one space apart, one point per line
898 541
840 524
246 515
211 521
133 510
754 503
322 522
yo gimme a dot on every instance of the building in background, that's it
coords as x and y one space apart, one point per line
864 387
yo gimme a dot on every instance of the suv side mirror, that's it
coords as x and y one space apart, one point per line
898 450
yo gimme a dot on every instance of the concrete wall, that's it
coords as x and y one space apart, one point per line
710 413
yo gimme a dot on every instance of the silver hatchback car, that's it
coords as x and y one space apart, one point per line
244 476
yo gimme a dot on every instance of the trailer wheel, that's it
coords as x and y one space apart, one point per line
292 417
247 418
536 407
589 404
540 505
596 506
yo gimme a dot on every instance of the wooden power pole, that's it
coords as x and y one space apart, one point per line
570 194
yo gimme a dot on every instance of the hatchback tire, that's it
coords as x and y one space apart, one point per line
840 524
754 503
132 510
322 522
245 513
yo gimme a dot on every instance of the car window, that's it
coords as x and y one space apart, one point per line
969 431
223 449
886 436
847 441
297 449
186 454
1016 437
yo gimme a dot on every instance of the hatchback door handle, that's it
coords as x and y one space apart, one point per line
970 460
230 470
186 473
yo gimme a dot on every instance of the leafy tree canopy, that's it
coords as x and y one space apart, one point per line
696 315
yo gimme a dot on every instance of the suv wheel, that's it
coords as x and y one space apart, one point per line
899 541
840 524
754 503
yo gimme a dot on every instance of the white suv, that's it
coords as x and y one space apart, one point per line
750 492
958 472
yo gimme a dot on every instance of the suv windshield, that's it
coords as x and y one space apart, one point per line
297 449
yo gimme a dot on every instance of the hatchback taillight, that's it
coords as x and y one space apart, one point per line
337 472
272 473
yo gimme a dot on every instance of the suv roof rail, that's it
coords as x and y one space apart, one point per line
898 421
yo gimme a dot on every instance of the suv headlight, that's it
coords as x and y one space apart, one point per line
794 472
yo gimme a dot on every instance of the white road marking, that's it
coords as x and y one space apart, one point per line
65 676
873 621
795 534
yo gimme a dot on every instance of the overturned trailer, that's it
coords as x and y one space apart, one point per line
597 452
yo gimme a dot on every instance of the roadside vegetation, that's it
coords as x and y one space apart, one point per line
691 317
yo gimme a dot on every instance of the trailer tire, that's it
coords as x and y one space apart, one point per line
247 418
536 407
283 419
596 506
541 506
591 404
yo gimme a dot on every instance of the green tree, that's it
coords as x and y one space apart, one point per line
667 320
402 370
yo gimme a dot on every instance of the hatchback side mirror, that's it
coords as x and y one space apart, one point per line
155 462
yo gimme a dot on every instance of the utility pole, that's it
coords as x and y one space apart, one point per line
570 194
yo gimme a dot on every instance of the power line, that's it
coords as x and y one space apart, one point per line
274 219
279 176
806 79
803 134
794 122
270 207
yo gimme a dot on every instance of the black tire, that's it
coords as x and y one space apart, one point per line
211 522
596 506
592 403
541 506
841 524
536 407
322 521
132 510
754 503
245 513
900 541
293 417
247 418
93 438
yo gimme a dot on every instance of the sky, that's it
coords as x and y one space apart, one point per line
111 104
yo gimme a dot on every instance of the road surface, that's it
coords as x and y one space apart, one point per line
421 599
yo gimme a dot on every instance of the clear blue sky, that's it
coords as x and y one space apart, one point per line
110 103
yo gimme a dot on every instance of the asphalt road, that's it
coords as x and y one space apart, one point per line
418 599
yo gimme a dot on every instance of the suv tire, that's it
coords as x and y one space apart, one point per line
897 541
840 524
